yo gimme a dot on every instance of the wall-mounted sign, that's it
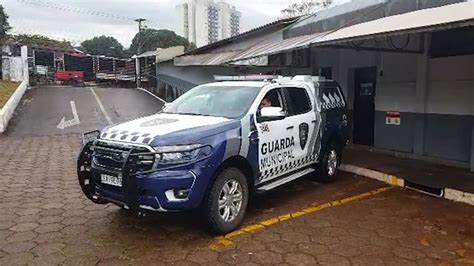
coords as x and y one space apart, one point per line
393 118
366 89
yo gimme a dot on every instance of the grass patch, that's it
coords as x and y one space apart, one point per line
7 88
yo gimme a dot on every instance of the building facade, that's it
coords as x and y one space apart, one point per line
423 78
204 21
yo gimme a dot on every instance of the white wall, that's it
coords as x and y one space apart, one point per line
451 85
12 68
8 109
396 89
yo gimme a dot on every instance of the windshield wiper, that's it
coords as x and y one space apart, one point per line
196 114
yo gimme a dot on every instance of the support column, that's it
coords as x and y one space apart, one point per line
137 72
24 61
422 84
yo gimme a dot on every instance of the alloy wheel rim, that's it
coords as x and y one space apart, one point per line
230 200
332 162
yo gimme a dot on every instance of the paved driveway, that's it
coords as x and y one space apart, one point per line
43 109
44 219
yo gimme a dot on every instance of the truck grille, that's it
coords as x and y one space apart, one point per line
111 156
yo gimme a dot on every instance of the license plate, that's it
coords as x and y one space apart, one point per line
111 180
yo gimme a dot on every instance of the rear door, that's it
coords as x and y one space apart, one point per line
303 125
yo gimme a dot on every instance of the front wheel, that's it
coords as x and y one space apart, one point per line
227 201
329 164
85 176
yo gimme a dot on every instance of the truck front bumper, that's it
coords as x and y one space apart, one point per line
157 191
176 189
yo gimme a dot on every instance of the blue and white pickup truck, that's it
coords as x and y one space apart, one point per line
216 145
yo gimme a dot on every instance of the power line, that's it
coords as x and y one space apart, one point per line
74 9
77 10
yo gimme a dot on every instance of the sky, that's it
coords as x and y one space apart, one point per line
78 20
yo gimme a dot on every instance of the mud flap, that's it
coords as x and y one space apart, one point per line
129 183
84 174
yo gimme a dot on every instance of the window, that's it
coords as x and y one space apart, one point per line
214 100
298 100
273 98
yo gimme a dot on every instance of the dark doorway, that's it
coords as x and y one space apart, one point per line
364 105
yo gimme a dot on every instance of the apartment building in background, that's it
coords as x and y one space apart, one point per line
205 21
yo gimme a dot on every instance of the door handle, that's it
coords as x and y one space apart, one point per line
290 128
254 140
253 137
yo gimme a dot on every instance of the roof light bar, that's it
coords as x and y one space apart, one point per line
245 78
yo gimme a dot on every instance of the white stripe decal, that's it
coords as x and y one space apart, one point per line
245 131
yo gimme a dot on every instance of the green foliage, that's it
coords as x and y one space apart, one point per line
103 45
150 39
39 41
4 25
306 7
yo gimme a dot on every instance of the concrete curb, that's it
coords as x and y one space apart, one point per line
159 99
386 178
459 196
448 193
7 111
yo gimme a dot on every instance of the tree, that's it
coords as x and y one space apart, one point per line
103 45
306 7
4 25
39 41
151 39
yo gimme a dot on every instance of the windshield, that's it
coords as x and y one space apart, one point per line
223 101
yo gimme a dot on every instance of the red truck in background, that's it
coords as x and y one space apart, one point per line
70 77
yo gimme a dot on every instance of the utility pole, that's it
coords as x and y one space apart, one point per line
137 60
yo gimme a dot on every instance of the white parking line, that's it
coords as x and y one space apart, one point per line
74 112
70 123
101 106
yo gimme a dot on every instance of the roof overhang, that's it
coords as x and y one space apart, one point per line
209 59
420 21
415 22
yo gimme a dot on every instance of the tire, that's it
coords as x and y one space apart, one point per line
226 216
328 166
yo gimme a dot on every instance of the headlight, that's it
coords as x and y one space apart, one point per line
182 153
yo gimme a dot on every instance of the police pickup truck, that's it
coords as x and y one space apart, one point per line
216 145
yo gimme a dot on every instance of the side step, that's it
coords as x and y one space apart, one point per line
285 180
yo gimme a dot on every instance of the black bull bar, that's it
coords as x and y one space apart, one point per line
129 172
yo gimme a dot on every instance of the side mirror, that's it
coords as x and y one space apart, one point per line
271 114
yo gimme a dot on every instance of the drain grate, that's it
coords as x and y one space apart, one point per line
437 192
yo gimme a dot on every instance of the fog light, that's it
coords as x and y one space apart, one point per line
182 193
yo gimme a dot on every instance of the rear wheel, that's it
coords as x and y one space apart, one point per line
329 164
227 201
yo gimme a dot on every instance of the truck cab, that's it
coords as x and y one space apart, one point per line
216 145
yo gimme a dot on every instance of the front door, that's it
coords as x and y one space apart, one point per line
364 105
274 139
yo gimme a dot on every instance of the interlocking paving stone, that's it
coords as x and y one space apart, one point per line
45 220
